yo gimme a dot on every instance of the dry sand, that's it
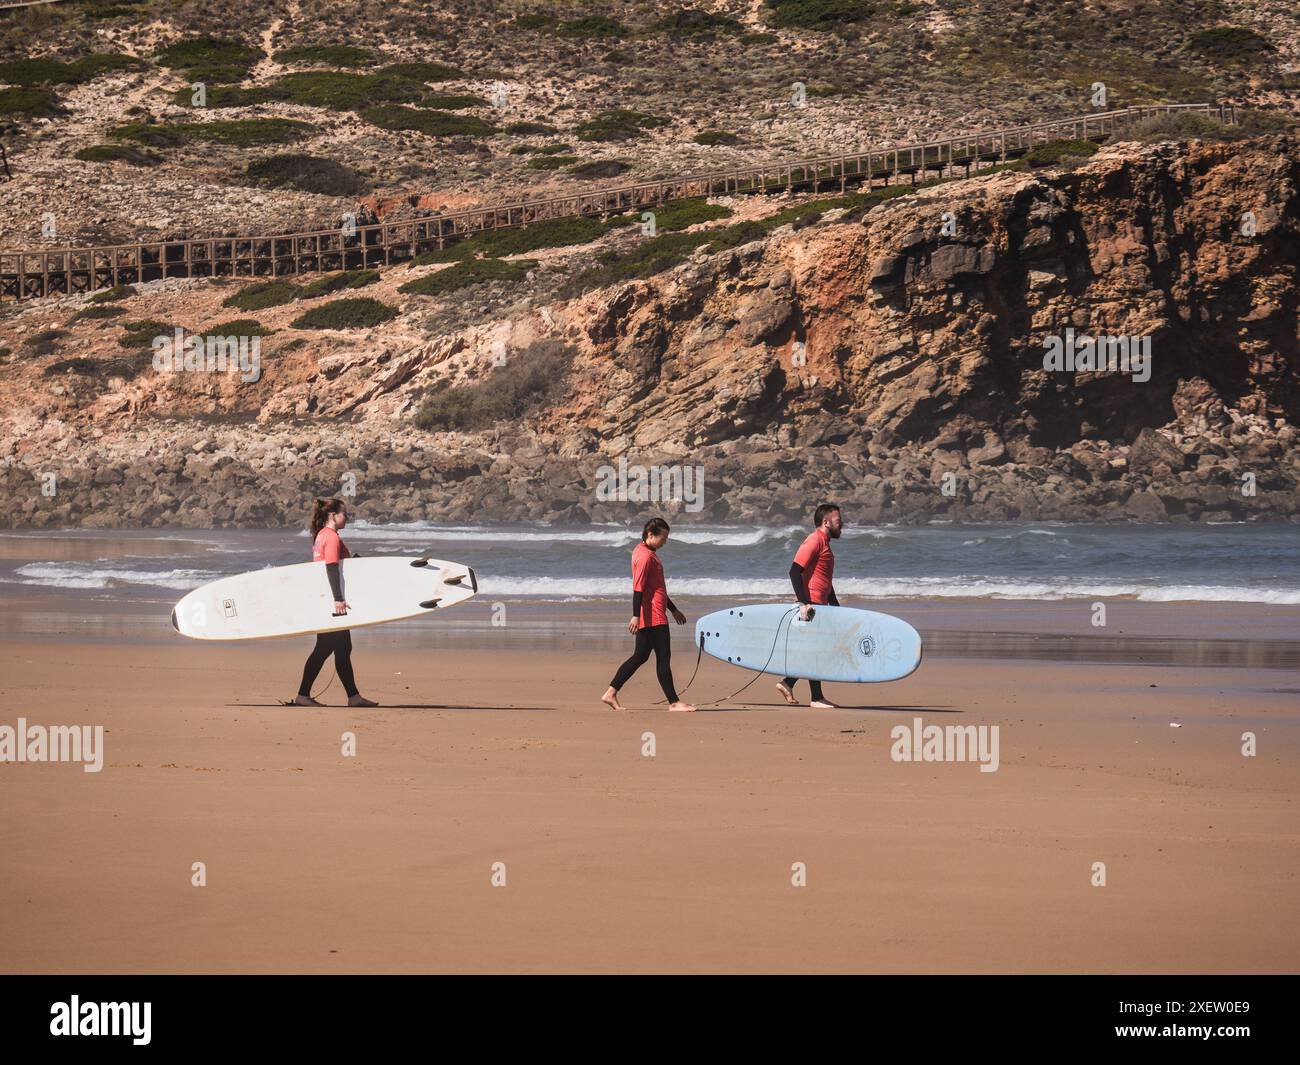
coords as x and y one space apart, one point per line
618 862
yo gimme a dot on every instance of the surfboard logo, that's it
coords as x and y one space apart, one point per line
228 607
867 646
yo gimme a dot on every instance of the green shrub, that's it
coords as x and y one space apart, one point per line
535 21
424 72
32 72
323 286
32 103
467 273
591 26
306 173
239 327
359 313
112 295
551 162
618 125
600 168
531 129
334 55
692 22
1053 152
242 132
44 342
527 382
716 136
1230 45
262 294
432 123
140 334
103 310
209 58
452 103
107 153
678 214
817 14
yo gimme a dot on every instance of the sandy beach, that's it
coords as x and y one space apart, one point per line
491 747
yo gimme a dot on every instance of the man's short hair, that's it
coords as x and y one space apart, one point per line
819 515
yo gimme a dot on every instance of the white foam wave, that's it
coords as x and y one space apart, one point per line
62 575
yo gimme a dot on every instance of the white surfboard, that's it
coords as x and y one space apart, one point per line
836 643
296 600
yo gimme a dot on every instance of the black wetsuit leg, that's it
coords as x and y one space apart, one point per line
653 638
338 644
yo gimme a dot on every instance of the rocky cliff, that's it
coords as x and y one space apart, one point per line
891 359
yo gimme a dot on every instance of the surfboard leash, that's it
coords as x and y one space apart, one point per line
758 673
699 653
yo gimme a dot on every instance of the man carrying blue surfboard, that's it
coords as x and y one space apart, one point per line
811 574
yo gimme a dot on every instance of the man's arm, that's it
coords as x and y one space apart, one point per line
800 584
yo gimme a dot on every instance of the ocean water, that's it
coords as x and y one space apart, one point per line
1227 563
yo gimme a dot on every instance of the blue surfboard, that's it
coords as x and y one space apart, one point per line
836 643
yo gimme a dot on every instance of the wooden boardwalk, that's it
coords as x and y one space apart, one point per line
32 274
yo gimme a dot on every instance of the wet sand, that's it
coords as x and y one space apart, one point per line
492 747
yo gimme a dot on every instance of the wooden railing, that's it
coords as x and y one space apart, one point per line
31 274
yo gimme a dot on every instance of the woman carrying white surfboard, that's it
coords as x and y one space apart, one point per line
811 574
650 609
330 516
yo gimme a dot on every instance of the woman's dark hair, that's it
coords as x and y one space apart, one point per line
653 527
324 508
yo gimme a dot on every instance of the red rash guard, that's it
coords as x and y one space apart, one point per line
648 579
329 547
818 562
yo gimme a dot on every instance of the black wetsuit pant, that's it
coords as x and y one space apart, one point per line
338 644
653 638
815 685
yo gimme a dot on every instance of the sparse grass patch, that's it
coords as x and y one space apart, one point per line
140 334
453 103
711 137
359 313
534 378
44 342
678 214
242 132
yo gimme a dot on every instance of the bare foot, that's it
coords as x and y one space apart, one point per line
823 704
360 700
787 694
610 699
305 700
681 707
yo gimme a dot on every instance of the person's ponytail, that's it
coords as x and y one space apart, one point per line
321 512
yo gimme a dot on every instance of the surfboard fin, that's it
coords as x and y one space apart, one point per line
430 604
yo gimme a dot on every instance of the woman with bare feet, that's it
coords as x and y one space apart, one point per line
329 516
650 609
